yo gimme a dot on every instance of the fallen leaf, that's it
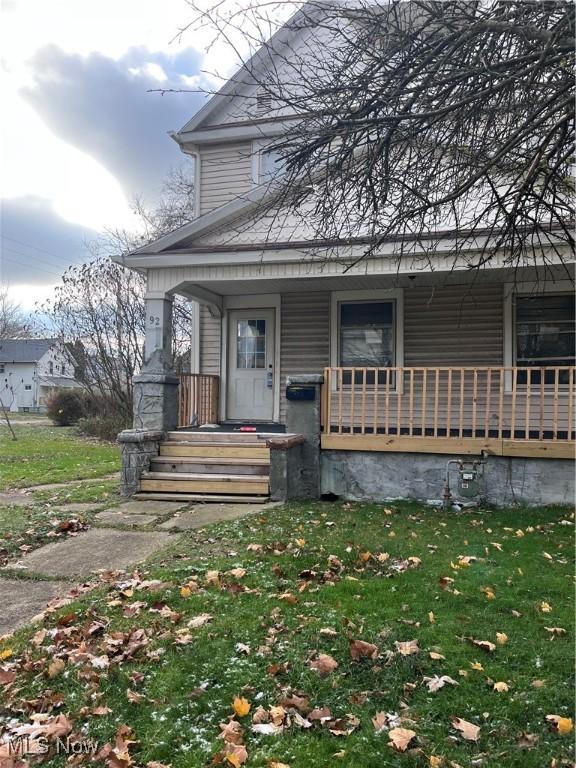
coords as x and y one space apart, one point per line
545 607
56 667
324 664
267 729
6 654
200 620
360 649
436 656
468 730
241 706
212 578
185 591
237 573
486 645
431 617
501 687
563 725
344 726
407 648
232 732
435 762
400 738
435 683
236 755
527 740
501 638
555 631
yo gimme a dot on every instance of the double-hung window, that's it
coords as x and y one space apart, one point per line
366 331
544 335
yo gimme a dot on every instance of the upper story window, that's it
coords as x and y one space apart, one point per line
271 165
50 367
2 367
63 369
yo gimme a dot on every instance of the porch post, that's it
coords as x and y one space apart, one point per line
156 387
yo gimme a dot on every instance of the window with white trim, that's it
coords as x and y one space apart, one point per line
544 334
2 367
545 330
271 165
366 331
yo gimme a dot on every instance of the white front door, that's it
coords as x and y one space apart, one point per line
250 395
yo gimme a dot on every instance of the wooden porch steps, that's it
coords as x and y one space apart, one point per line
215 466
200 498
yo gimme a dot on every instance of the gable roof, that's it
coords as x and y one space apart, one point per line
24 350
231 87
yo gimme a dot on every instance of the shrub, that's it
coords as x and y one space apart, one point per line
65 407
103 427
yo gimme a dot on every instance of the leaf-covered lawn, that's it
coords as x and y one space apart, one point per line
316 635
23 528
43 454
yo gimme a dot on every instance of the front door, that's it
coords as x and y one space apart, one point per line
250 395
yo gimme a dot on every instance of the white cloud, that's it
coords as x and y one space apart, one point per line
35 162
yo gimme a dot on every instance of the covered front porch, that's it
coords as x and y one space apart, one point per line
444 363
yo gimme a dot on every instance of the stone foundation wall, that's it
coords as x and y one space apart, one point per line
137 447
363 475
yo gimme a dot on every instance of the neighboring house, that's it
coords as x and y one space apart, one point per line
31 370
422 360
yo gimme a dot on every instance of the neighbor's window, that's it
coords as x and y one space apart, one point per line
28 387
2 367
366 337
50 367
545 334
63 371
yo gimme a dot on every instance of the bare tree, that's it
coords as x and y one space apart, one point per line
13 324
98 310
407 121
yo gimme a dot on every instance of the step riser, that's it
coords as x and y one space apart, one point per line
200 498
220 437
231 487
227 452
208 468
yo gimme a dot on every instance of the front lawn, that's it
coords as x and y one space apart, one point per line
466 625
44 454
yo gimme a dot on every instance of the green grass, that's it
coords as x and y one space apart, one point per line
177 725
43 454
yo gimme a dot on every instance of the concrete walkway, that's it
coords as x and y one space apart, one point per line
113 544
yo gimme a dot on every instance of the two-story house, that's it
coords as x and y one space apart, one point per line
31 370
422 360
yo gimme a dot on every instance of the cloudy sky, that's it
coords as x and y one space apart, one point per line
81 135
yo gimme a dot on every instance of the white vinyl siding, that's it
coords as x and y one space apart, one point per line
453 325
225 173
304 338
210 342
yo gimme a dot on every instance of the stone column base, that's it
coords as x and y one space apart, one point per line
137 447
303 418
155 401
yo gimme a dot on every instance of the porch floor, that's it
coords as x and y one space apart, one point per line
234 427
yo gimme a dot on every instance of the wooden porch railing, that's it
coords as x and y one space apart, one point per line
197 399
462 409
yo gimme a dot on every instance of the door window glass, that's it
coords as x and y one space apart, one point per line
251 344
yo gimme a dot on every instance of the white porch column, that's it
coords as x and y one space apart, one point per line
156 387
